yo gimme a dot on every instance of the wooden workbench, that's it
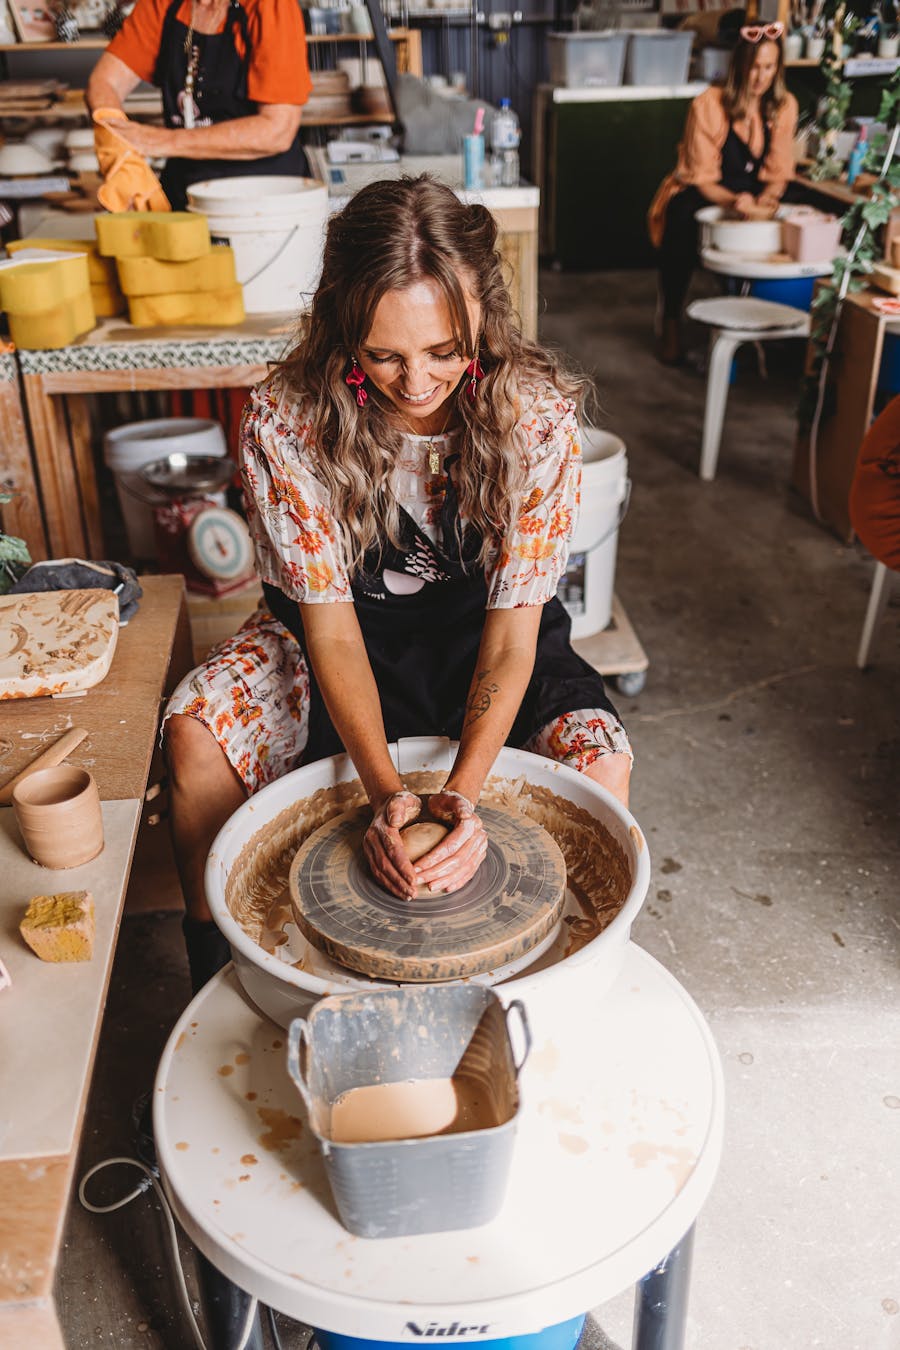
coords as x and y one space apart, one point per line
51 1015
117 358
852 385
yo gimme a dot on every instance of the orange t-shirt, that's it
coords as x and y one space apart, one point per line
278 71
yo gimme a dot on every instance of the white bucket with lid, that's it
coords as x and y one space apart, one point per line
586 589
127 448
276 227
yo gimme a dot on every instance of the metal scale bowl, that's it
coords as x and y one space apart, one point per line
513 902
209 543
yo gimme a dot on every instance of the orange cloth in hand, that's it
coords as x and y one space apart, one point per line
129 182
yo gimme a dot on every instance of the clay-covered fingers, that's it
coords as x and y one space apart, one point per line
387 858
456 859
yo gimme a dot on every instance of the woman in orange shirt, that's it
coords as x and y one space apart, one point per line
233 75
737 153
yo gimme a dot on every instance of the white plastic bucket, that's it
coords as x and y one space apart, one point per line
586 590
276 226
127 448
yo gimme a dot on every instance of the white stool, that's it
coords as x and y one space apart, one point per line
878 600
733 320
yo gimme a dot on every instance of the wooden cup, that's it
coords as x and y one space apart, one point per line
58 813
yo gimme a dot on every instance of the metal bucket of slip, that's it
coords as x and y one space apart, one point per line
437 1157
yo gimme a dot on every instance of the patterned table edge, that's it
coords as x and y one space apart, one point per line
9 370
205 353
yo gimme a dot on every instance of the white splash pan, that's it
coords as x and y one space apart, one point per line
549 981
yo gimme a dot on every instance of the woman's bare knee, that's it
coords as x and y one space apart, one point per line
192 751
612 772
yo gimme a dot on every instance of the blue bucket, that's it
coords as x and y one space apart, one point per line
562 1336
794 291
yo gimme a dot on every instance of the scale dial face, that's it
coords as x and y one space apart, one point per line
219 544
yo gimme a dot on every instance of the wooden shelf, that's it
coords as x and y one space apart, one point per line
83 44
350 120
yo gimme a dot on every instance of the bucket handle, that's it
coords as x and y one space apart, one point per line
518 1007
298 1038
623 511
266 265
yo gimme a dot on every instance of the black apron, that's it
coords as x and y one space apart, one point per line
220 92
422 647
740 167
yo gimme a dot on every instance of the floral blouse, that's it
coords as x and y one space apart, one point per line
298 541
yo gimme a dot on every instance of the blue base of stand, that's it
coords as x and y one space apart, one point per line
563 1336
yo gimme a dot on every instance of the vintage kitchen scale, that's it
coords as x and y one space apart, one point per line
510 910
195 535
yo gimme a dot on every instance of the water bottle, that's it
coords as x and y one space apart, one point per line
505 137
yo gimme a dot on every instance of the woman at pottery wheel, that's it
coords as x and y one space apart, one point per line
411 475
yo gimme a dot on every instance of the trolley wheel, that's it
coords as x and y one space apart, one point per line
631 683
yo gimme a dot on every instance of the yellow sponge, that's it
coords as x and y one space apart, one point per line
207 308
56 327
60 927
36 287
107 300
99 269
150 276
176 236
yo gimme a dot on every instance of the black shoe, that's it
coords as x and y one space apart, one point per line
207 950
226 1310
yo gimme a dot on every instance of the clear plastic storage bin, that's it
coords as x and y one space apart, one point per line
587 60
658 57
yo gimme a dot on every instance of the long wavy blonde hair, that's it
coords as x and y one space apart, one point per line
388 237
736 90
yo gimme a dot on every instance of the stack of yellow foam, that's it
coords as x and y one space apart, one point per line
168 270
48 301
105 292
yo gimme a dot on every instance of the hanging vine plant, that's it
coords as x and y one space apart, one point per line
863 237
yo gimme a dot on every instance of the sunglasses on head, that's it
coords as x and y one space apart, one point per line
756 32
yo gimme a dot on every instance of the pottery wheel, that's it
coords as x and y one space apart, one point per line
510 905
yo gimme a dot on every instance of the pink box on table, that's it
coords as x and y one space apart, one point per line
809 235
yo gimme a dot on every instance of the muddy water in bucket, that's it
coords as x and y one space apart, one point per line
413 1096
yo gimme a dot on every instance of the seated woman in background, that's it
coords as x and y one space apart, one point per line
737 153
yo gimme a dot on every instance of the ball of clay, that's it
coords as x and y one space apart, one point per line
421 838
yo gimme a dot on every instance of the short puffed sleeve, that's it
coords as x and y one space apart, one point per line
298 543
532 558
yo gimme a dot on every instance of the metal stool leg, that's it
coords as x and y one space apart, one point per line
724 345
660 1317
878 598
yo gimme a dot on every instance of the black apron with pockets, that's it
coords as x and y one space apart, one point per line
220 93
740 167
422 647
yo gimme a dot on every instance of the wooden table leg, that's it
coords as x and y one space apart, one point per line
56 472
22 516
82 443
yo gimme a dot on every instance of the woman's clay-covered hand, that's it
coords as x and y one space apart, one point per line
749 208
458 857
389 862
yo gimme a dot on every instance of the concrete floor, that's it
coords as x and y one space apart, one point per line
767 783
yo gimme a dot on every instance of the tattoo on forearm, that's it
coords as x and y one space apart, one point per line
481 697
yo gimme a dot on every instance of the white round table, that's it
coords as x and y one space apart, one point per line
616 1151
762 269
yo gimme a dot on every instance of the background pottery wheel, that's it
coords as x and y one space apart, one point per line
513 901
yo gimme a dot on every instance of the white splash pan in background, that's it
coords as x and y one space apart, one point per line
550 983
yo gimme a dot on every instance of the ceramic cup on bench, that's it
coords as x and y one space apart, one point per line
58 813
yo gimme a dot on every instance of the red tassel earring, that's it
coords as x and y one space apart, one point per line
475 373
356 379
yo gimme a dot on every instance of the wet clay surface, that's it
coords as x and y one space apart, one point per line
413 1109
510 905
598 875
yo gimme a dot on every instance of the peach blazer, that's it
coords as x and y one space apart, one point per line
700 154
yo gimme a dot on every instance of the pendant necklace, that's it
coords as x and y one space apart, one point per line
434 454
